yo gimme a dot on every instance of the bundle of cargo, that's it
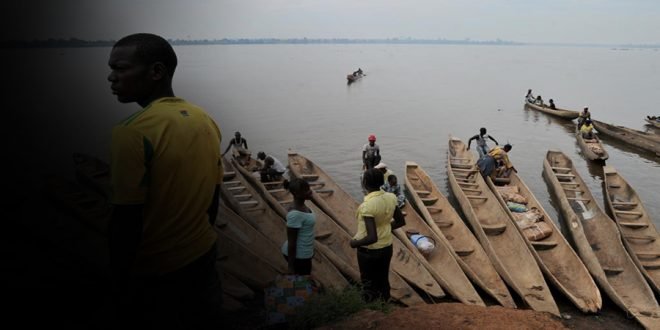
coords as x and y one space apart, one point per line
530 220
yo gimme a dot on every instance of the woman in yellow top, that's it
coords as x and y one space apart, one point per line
373 239
497 163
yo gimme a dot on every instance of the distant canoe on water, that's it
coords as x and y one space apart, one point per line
653 122
562 113
646 141
352 78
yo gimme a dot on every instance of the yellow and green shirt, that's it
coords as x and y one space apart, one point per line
380 206
167 158
499 154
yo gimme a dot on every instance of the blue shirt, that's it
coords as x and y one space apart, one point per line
304 222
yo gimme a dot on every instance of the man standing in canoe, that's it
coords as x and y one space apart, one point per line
370 153
166 172
482 147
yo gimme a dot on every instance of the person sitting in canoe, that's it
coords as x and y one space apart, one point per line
496 164
538 101
584 115
482 147
587 129
529 97
552 104
392 186
359 71
656 118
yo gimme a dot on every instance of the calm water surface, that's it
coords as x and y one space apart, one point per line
413 98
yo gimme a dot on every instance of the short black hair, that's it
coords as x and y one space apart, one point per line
151 48
392 177
295 185
373 178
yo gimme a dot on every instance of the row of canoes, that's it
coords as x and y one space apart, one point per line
252 213
593 149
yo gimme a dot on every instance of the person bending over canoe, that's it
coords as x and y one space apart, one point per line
584 115
276 166
482 147
370 153
298 249
497 164
373 239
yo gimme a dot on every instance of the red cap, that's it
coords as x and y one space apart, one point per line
372 137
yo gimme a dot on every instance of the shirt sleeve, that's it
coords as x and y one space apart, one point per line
221 170
128 169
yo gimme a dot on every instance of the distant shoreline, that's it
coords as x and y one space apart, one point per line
79 43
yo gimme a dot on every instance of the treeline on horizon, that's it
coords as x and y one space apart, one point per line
75 42
79 43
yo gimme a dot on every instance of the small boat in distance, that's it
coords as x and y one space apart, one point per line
562 113
355 76
592 149
653 121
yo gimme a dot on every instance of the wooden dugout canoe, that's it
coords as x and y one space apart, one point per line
586 147
598 241
652 122
341 207
335 241
561 113
243 199
504 245
441 261
642 140
441 217
555 256
639 234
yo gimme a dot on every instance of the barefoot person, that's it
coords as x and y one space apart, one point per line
166 172
373 239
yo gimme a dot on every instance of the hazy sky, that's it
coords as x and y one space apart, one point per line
572 21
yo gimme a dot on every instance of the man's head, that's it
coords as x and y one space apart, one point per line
392 180
261 155
237 135
507 147
372 139
142 68
588 121
585 109
269 161
482 130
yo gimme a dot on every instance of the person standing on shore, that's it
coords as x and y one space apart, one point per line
373 239
370 153
166 172
482 146
298 249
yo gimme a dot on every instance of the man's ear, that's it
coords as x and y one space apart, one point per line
158 71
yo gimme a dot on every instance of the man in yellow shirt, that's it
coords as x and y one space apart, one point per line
166 172
587 129
373 239
496 163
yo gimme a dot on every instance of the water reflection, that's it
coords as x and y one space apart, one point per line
595 168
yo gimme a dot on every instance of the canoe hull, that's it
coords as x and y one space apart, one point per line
643 241
555 256
598 241
646 141
561 113
502 242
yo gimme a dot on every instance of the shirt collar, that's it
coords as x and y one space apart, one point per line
373 194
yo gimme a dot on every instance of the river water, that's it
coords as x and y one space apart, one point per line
296 96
